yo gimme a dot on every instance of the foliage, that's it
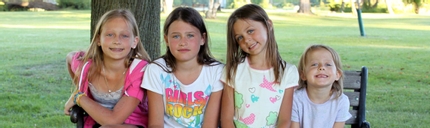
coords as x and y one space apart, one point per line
190 3
34 82
74 4
265 4
237 3
285 4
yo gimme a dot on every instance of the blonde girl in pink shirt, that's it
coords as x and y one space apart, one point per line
109 74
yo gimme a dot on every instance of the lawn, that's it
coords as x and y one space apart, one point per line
34 83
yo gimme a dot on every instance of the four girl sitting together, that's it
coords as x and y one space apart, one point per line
119 86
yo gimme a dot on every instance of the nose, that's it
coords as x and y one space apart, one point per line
321 68
247 39
182 43
117 41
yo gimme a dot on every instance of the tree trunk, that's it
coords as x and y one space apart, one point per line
354 7
147 14
389 7
305 7
213 7
167 6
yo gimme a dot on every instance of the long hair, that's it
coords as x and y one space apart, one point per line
236 55
95 52
192 17
337 86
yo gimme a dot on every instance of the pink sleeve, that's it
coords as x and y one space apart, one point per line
76 60
134 80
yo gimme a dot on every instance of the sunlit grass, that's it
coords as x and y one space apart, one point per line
34 83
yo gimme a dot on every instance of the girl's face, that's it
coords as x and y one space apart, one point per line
184 40
251 36
320 69
117 38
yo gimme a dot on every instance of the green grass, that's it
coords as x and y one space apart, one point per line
34 83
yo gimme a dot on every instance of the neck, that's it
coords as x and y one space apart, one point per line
114 66
187 66
257 62
319 95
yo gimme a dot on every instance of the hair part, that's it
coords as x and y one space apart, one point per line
337 86
95 52
236 55
192 17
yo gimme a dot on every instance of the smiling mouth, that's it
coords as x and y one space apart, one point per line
321 76
253 45
117 49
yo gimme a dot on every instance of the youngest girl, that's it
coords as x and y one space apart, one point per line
319 101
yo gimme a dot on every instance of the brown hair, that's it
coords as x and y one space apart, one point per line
236 55
190 16
337 86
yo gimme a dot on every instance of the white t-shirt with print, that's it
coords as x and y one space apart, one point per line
311 115
258 98
184 105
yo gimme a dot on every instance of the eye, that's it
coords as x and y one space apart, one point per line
314 64
125 36
328 64
175 36
190 35
109 35
239 38
250 31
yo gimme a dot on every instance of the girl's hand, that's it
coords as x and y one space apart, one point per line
69 104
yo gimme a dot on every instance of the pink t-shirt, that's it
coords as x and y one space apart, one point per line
131 88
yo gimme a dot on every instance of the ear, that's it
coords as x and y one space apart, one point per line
136 40
97 40
338 74
270 24
202 42
166 40
302 75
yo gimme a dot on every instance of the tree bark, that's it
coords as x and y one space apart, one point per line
389 7
354 7
305 7
147 14
167 6
213 7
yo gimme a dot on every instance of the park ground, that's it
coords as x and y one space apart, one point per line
34 84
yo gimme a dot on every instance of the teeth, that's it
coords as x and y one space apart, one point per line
252 45
321 76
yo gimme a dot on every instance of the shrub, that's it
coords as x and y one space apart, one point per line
75 4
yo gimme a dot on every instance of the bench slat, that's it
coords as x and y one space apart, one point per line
351 80
353 97
353 119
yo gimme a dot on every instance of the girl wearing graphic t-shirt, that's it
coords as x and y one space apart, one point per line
258 83
183 85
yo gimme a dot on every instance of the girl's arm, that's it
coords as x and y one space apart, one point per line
68 105
211 116
156 110
122 110
227 107
339 125
69 58
284 119
295 125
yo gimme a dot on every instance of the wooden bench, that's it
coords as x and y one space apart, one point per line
355 85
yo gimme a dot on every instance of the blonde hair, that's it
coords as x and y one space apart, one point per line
95 52
236 55
337 86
